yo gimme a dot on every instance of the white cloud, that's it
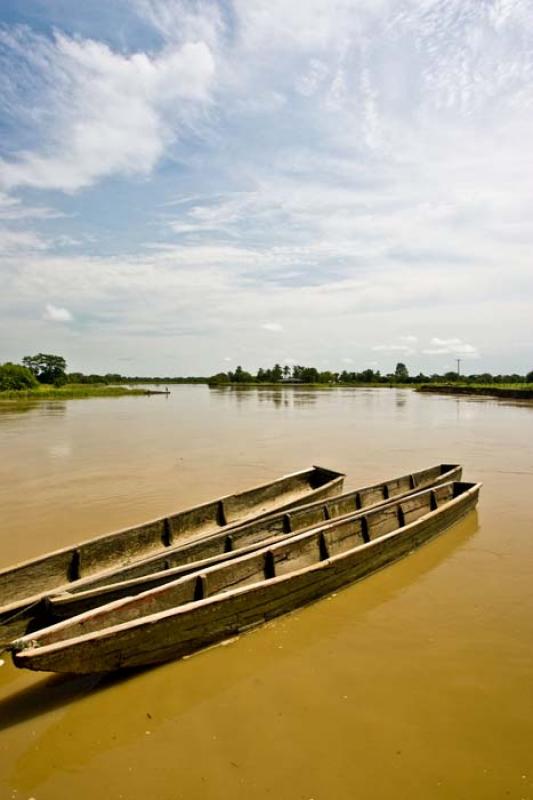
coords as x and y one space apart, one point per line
13 242
15 237
146 307
393 348
453 346
405 345
12 209
352 169
274 327
56 314
181 20
112 113
445 342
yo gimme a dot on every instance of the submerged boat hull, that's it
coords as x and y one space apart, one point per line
86 643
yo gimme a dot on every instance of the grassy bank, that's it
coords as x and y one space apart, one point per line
70 391
519 391
523 391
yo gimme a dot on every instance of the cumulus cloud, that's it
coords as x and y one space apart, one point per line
116 300
273 327
57 314
453 346
361 168
113 113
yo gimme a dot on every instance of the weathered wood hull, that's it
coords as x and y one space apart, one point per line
204 608
26 583
243 539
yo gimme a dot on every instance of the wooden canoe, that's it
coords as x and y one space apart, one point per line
26 583
222 601
221 546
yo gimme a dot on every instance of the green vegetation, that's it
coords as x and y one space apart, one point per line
67 392
286 374
523 391
47 368
401 373
14 377
44 377
116 379
367 377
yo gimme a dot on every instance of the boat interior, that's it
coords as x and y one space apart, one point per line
114 549
256 531
140 577
303 551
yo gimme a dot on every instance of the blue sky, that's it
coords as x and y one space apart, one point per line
186 186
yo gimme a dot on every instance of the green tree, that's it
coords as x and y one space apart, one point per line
368 375
449 377
529 377
47 368
309 374
220 377
240 376
16 377
277 373
401 373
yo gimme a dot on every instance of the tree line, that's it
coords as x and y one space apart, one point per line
49 369
301 374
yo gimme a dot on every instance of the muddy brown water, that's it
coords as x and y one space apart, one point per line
414 683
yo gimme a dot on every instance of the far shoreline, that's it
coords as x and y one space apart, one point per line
515 391
87 391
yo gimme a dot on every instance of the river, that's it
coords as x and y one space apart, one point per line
414 683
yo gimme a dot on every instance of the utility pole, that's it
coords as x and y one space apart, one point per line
458 366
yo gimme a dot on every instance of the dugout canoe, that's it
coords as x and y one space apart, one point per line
26 583
221 546
222 601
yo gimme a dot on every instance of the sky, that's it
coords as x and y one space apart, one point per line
186 186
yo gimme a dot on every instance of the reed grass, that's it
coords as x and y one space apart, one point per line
70 391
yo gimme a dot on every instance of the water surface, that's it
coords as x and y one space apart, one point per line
416 682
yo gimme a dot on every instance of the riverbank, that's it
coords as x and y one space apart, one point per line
516 391
300 384
519 391
73 391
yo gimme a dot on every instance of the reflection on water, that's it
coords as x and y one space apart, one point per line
412 683
58 691
282 397
40 408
